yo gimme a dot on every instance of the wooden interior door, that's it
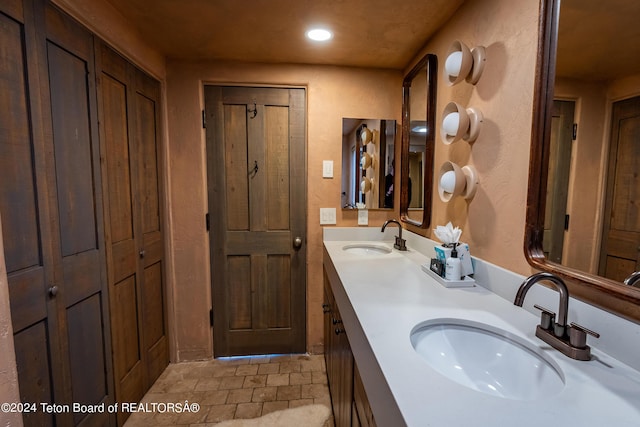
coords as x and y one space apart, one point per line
78 196
620 250
556 221
25 217
51 205
129 112
257 204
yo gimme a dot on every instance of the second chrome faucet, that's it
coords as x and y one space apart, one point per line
570 340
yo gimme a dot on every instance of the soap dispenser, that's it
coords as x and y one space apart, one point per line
453 269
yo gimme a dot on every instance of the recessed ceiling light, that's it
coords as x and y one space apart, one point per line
319 34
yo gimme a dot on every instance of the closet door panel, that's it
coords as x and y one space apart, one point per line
72 142
24 215
34 371
78 220
147 97
87 353
18 195
18 191
123 248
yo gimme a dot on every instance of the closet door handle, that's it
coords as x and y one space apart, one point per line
141 253
53 291
297 243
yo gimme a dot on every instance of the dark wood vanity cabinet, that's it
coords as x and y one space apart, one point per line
348 397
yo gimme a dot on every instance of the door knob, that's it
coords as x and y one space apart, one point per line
297 243
141 253
53 291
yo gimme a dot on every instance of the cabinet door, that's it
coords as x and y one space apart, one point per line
362 409
339 362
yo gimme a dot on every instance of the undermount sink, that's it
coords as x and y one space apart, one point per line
366 249
487 359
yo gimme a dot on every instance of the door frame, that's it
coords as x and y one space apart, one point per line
210 155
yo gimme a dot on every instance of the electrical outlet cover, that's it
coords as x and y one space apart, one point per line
327 216
363 217
327 168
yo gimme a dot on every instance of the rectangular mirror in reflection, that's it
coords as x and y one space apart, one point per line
368 163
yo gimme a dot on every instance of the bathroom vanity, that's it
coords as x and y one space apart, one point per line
425 355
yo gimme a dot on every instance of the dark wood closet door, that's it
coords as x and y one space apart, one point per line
76 199
129 117
52 214
147 137
256 166
25 216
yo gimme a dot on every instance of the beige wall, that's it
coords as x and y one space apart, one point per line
588 166
332 93
493 222
9 392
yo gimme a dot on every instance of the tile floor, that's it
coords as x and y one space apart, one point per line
242 387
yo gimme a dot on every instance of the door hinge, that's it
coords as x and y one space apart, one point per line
207 222
211 317
566 222
204 120
575 131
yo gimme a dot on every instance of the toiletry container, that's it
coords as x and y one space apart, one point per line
453 268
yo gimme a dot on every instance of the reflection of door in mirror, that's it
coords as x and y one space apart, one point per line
620 253
367 163
592 223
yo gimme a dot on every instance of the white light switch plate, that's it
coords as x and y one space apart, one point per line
327 216
327 168
363 217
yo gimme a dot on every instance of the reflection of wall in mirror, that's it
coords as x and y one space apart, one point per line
416 176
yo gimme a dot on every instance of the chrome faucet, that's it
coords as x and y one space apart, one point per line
569 340
633 279
560 326
400 243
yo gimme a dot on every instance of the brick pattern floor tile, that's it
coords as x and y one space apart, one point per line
230 388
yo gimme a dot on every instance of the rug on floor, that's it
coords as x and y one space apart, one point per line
308 416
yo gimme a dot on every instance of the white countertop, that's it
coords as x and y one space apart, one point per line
383 297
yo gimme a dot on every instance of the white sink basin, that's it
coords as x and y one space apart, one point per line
366 249
487 359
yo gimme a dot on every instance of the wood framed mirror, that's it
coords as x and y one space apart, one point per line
418 139
564 64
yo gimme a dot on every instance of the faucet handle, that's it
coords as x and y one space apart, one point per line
401 244
547 317
578 335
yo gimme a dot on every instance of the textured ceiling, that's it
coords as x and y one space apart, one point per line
367 33
599 40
